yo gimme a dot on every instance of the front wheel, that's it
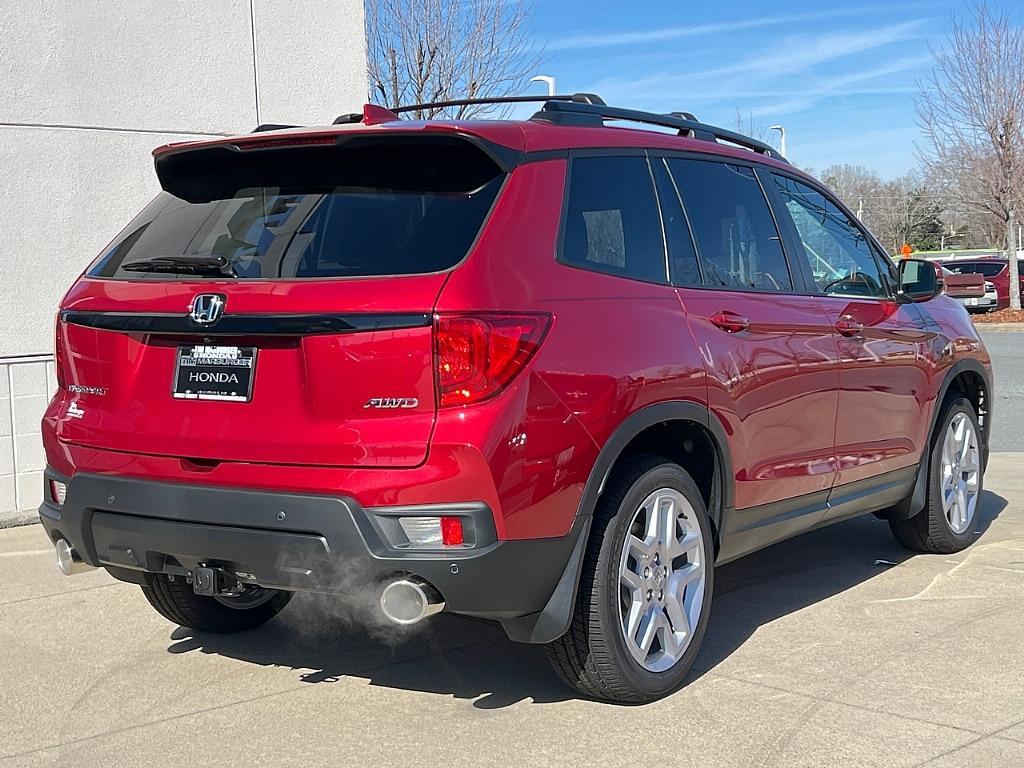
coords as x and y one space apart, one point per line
175 601
955 479
645 591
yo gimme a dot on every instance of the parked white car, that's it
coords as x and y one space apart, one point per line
985 303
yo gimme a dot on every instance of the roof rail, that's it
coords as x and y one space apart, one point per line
561 111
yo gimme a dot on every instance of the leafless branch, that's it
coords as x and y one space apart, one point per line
420 51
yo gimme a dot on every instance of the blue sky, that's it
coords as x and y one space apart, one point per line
841 77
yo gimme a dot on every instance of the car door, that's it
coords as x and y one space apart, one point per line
769 350
883 378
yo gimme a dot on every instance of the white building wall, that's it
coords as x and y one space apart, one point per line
87 89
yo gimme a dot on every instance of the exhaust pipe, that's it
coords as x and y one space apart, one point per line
410 600
68 560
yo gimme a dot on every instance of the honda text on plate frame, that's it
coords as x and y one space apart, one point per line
205 372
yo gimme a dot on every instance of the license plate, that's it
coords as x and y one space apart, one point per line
205 372
971 302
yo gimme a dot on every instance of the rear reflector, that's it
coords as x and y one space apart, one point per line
433 531
476 356
451 531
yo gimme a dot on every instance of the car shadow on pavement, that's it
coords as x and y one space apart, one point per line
324 639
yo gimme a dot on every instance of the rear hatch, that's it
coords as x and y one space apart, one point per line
274 304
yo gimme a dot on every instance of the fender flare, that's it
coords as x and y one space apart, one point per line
919 496
553 621
673 410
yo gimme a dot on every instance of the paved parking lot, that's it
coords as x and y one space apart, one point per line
1007 351
833 649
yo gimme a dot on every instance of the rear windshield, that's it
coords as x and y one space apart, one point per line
975 268
310 212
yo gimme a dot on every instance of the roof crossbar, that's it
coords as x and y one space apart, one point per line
564 111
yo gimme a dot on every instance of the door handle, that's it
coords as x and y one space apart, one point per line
729 322
846 325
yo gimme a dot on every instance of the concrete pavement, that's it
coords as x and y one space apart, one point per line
833 649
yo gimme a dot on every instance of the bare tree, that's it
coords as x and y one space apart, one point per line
750 126
907 212
971 110
854 184
420 51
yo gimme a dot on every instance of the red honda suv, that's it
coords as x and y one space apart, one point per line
549 372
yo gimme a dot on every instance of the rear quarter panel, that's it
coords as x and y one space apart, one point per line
615 346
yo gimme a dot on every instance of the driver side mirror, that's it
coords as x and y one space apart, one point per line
919 280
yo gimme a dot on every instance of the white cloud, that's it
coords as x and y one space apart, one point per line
785 74
853 83
662 34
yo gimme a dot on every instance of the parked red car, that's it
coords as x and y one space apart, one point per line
995 271
547 372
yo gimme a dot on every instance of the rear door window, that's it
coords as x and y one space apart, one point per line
737 240
317 213
611 220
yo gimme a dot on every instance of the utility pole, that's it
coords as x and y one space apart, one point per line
860 209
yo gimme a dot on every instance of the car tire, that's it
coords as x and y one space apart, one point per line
955 485
596 656
176 602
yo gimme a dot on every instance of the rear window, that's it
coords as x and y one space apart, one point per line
975 268
359 210
611 219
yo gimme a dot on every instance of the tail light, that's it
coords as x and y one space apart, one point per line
476 356
59 352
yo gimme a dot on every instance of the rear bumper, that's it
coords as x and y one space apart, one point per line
988 301
303 542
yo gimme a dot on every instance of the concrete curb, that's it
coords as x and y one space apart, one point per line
1001 327
12 519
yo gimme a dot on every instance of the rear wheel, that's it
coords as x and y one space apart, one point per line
955 481
176 602
645 591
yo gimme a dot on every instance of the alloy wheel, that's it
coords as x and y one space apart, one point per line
961 473
662 580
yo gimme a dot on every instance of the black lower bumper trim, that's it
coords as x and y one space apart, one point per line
298 542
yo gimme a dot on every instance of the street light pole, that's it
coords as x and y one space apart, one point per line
951 235
782 137
545 79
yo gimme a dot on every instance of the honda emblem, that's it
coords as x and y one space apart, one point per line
206 308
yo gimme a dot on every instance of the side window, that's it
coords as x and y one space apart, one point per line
737 240
682 256
838 252
611 219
